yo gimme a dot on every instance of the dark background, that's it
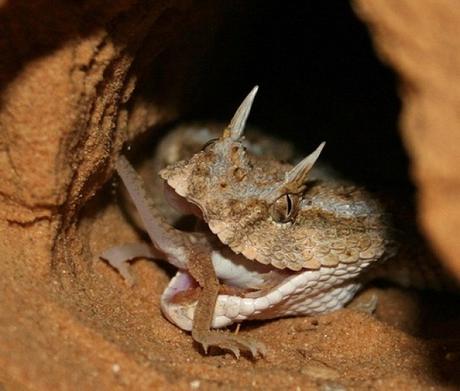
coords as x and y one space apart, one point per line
319 78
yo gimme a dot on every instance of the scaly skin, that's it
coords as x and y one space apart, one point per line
278 243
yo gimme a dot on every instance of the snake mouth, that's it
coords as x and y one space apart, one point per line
179 300
185 290
309 292
252 290
238 275
242 293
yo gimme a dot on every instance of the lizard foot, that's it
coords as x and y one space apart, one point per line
119 256
232 343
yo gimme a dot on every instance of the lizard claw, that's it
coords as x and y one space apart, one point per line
232 343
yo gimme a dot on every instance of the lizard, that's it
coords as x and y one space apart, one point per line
274 241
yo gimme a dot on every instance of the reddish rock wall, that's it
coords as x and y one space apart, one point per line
421 40
67 76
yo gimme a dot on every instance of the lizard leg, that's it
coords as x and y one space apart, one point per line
166 239
185 250
202 270
119 256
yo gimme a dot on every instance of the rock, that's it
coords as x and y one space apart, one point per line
421 40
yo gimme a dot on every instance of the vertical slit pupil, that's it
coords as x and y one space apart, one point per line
289 205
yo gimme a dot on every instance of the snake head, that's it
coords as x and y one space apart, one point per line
268 210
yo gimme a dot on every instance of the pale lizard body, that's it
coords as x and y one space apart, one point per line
280 243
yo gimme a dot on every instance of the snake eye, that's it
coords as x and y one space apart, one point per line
285 208
208 144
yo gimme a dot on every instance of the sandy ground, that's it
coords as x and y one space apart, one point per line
85 329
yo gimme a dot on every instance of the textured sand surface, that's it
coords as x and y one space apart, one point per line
89 330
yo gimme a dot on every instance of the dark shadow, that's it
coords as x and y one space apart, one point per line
319 78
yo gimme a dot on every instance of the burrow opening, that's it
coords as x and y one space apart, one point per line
319 77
